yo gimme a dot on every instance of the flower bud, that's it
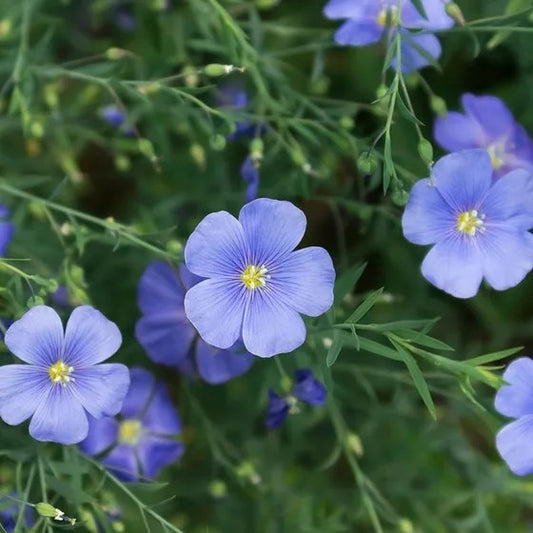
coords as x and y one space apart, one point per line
425 150
354 443
214 70
438 105
367 163
347 123
218 489
198 154
455 12
114 54
47 510
218 142
174 247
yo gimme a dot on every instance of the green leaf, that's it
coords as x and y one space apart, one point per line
347 281
494 356
378 349
334 349
364 307
513 7
404 111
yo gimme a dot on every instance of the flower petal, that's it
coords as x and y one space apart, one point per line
272 228
141 388
6 233
514 444
510 201
456 132
218 366
216 247
516 399
154 453
307 388
358 33
492 115
122 461
305 279
103 432
427 218
101 389
59 417
417 51
216 308
507 257
463 178
37 337
160 291
455 266
90 337
437 18
160 415
277 410
22 388
270 326
346 9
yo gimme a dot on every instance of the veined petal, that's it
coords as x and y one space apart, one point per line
101 389
272 228
427 218
90 338
514 444
437 18
122 461
59 417
346 9
103 432
36 337
455 266
160 416
218 366
358 33
507 256
160 290
463 178
216 247
304 281
509 202
154 453
216 309
22 388
166 337
491 114
516 399
187 278
270 326
417 51
456 132
140 391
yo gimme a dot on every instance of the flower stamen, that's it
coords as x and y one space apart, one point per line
388 16
497 155
60 373
130 431
470 222
254 277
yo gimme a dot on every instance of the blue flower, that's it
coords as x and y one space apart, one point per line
515 400
9 515
479 228
62 380
257 285
306 388
167 335
486 123
117 118
250 175
143 438
6 230
368 20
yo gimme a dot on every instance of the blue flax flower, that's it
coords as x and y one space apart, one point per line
6 229
143 438
167 335
515 400
9 515
250 175
478 226
62 380
117 118
257 285
486 123
368 20
306 388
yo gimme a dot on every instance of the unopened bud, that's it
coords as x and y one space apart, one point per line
425 150
218 489
438 105
149 88
37 129
256 149
198 154
34 300
455 12
381 91
174 247
367 163
214 70
122 163
114 54
147 149
5 28
191 75
218 142
347 122
405 526
400 196
354 443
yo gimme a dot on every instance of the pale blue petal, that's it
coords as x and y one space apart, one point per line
516 399
101 389
437 18
507 256
103 432
6 233
218 366
141 387
304 281
463 179
122 461
187 278
514 444
90 337
454 265
347 9
160 291
59 417
216 247
456 132
273 228
270 326
154 453
417 51
22 389
491 114
37 337
160 415
358 33
216 308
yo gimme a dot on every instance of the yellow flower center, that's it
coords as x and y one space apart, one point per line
60 373
470 222
255 276
129 432
388 15
496 156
